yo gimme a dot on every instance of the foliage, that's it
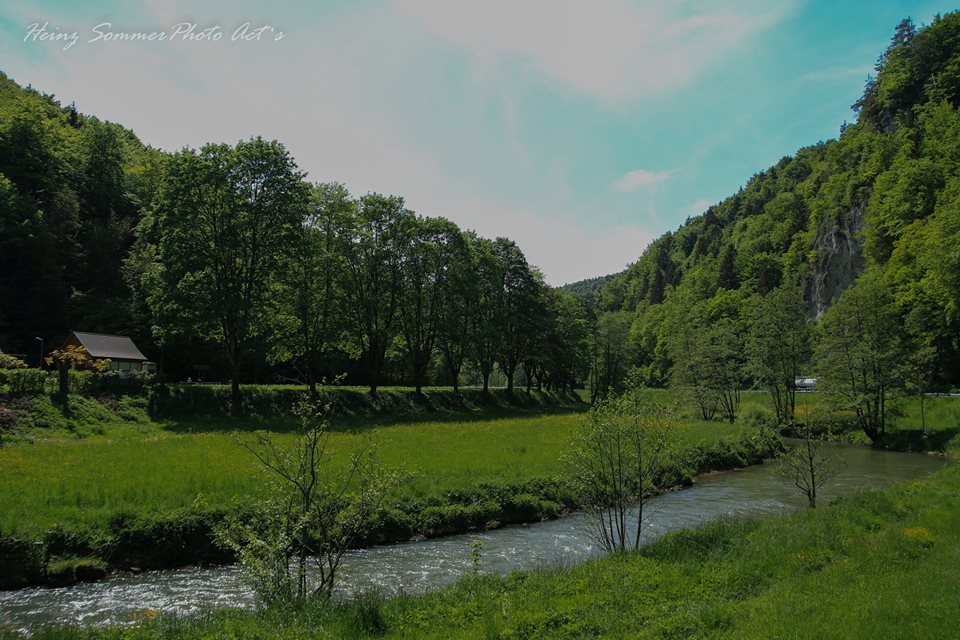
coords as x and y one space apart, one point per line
859 353
778 348
11 362
225 218
616 462
311 517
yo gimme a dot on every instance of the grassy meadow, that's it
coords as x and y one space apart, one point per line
112 480
84 462
148 466
879 564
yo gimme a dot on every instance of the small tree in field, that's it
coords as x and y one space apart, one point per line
809 465
291 550
616 461
73 357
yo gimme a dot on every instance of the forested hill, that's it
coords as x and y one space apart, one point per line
72 191
589 286
883 198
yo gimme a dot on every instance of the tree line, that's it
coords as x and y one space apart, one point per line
240 249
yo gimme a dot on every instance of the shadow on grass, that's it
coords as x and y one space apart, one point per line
920 440
346 423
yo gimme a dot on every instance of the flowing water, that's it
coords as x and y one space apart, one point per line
417 566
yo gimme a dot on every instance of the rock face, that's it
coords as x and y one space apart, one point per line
839 248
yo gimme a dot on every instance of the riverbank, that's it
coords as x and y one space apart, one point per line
880 563
147 495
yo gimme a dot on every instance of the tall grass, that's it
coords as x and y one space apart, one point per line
89 481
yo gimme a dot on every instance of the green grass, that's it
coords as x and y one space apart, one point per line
880 564
147 469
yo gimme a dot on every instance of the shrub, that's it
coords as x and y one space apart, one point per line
167 540
11 362
26 381
21 562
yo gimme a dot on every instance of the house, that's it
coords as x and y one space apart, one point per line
805 384
120 350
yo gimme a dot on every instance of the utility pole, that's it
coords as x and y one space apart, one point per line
40 363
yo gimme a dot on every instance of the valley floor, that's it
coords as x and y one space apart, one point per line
880 564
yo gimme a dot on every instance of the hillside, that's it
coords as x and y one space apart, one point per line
72 191
589 286
883 197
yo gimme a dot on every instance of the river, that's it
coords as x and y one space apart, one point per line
415 566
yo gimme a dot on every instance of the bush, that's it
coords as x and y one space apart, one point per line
167 540
21 562
25 381
456 518
11 362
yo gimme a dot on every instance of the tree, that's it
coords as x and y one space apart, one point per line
778 347
519 300
313 514
611 353
313 283
227 216
460 301
567 345
375 250
727 275
809 464
73 357
920 364
722 361
487 314
616 462
431 252
859 352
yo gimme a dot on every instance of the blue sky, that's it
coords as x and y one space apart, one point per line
582 130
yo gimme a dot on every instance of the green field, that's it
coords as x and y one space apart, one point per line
119 459
113 481
150 467
880 564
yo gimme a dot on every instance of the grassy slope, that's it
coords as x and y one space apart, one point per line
878 564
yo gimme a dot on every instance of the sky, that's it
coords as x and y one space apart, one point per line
581 130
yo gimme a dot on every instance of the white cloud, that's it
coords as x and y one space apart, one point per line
698 206
188 94
633 180
616 50
566 249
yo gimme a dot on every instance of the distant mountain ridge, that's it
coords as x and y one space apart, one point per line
588 286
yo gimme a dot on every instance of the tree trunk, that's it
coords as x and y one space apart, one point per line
377 356
236 400
63 375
